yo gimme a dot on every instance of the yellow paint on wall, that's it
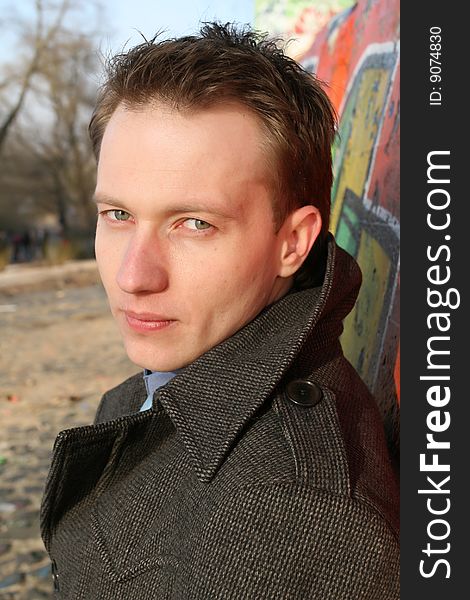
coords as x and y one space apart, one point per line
356 156
362 325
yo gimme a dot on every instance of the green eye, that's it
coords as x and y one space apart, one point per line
201 224
121 215
197 224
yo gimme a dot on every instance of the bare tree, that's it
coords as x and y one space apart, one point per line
47 163
67 152
43 37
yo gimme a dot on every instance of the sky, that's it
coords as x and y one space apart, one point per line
179 17
125 18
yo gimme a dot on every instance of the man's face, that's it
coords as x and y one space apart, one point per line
185 240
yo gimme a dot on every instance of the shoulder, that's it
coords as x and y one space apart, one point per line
342 439
122 400
308 502
339 444
333 446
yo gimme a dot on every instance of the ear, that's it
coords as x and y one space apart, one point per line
297 235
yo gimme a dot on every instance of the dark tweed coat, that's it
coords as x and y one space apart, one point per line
261 472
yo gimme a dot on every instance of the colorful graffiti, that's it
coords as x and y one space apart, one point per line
358 54
297 20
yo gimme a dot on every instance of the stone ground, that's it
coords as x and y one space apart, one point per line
59 352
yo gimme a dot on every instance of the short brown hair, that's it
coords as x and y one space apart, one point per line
225 63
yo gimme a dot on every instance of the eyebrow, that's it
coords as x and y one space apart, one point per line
187 207
104 199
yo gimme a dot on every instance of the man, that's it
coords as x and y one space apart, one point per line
249 461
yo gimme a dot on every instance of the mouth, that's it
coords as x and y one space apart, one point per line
147 322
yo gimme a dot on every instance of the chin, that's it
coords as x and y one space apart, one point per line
147 358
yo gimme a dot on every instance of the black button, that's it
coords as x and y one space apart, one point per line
55 576
304 393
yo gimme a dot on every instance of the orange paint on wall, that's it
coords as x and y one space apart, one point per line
396 375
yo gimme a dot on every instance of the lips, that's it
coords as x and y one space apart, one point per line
147 316
147 322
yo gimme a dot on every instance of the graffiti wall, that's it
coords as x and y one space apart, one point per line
358 54
299 20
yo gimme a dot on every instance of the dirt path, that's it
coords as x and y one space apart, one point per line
59 352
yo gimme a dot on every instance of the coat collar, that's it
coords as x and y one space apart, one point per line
214 397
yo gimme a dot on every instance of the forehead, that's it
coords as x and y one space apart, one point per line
217 146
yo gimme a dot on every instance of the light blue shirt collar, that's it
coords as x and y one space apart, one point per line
154 380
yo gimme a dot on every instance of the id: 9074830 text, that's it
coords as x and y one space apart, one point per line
435 66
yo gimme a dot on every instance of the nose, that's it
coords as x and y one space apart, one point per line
143 267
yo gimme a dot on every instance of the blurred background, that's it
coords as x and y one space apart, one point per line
59 349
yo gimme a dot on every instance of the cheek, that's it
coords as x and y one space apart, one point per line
101 242
255 264
249 270
107 258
